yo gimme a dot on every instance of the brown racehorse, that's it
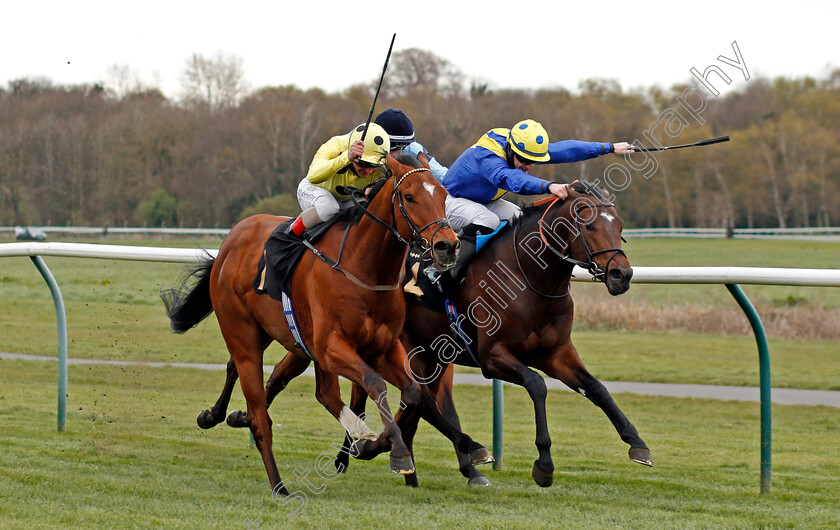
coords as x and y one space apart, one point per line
351 327
525 320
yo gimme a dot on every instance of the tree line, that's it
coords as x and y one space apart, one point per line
122 154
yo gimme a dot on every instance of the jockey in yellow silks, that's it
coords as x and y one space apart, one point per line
343 160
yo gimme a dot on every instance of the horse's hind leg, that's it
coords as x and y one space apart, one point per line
250 374
246 341
287 369
210 418
565 364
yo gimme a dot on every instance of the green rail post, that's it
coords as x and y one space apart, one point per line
764 377
498 422
61 319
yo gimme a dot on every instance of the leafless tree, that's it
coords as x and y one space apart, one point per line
217 82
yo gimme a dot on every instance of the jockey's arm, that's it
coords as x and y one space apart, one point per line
496 170
576 150
330 158
416 150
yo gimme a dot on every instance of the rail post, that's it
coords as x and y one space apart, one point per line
498 422
61 320
764 377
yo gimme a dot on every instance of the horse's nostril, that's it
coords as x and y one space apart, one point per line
618 274
442 246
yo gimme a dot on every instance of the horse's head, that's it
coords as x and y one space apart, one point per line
417 208
593 229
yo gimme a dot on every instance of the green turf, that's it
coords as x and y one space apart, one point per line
133 457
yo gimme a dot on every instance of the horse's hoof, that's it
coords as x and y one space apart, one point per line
480 480
402 465
238 419
641 455
411 481
280 490
341 463
543 479
359 449
481 456
205 420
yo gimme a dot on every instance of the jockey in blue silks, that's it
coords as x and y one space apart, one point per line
499 162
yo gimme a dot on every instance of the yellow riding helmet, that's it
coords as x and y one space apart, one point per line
529 140
377 144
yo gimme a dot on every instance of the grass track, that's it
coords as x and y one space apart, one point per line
133 456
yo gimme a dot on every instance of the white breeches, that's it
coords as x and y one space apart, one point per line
325 203
462 212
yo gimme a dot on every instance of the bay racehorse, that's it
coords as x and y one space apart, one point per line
516 314
350 316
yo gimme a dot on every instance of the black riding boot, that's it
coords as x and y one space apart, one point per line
466 254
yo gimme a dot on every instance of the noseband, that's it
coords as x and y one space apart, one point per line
589 264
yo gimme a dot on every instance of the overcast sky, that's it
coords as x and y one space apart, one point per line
333 45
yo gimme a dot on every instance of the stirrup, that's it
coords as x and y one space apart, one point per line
434 277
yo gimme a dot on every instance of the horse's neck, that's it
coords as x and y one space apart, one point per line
374 253
545 270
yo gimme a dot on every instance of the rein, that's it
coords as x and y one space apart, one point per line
416 240
589 264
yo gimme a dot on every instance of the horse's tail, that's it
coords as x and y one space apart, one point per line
188 303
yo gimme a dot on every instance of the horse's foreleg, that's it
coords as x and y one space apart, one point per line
341 358
565 364
287 369
328 394
210 418
418 398
501 364
358 399
447 408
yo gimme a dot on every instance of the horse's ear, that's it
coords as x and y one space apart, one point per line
423 160
387 167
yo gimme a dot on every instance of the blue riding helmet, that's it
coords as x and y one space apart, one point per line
399 128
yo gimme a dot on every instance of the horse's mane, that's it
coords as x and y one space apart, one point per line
353 215
583 187
408 160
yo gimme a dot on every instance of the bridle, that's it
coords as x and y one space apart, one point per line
416 238
417 241
589 264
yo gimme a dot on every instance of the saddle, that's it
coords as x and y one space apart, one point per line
283 250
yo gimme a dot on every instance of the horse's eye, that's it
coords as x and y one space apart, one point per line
409 197
590 227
